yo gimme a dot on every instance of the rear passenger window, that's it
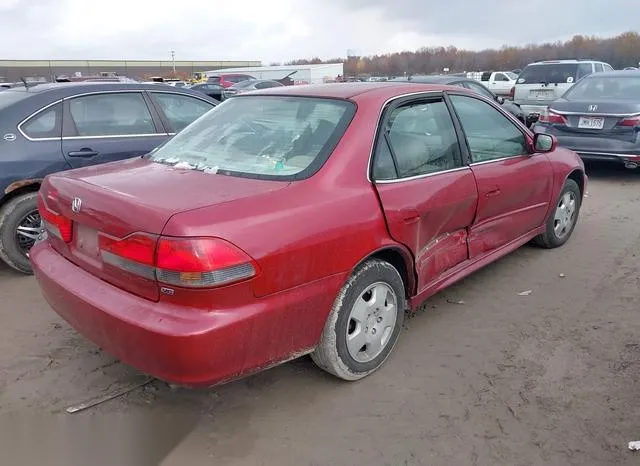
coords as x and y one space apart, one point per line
46 124
584 69
181 110
417 139
599 67
111 115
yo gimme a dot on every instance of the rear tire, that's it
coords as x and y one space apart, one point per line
564 218
12 215
364 323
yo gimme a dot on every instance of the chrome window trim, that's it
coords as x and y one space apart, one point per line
501 159
427 94
113 136
46 107
426 175
84 94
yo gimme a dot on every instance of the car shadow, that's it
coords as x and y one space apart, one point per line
611 172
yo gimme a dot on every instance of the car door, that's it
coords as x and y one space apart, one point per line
177 111
514 184
428 195
108 126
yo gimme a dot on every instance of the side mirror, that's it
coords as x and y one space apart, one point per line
544 143
500 99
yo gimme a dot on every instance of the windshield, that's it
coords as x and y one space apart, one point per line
273 137
511 75
603 88
243 84
553 73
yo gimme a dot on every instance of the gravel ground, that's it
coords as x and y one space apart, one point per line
480 376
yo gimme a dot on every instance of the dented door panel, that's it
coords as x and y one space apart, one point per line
431 215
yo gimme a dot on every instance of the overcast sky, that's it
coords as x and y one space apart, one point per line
279 30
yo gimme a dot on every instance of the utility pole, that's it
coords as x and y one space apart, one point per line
173 61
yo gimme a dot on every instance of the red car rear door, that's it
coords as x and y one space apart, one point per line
514 184
428 194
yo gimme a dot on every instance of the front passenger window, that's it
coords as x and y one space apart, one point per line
417 139
490 134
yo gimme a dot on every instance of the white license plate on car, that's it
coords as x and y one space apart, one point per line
542 95
591 123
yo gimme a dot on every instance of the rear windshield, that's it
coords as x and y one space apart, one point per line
554 73
602 88
272 137
10 96
243 84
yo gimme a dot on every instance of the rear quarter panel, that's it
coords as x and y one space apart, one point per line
312 229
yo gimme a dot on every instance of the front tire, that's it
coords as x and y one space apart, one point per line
364 323
20 227
562 222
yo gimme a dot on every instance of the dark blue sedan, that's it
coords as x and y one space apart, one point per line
599 118
54 127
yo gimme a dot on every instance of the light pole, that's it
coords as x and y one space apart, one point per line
173 61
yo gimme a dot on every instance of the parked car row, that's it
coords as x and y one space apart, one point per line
598 117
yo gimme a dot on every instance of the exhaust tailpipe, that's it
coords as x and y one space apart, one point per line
630 165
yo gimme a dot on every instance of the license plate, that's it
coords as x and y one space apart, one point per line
541 95
86 240
591 123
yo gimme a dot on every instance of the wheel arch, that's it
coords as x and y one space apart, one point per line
401 259
578 176
18 188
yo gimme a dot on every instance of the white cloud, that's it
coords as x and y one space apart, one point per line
281 30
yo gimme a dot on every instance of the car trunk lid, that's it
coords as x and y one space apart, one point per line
620 120
137 196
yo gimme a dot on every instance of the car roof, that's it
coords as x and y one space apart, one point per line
438 79
573 61
615 73
387 90
63 90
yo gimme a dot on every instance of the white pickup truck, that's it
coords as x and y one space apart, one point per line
499 82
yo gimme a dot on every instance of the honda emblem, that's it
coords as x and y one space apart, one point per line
76 204
593 108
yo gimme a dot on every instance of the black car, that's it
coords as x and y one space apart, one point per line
599 118
55 127
452 80
215 91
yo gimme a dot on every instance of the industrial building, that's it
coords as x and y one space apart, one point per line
48 70
299 74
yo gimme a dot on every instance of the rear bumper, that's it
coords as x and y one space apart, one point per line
589 147
185 345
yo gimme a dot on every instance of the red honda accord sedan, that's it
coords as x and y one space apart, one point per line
297 220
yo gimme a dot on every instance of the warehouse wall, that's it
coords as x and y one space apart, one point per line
13 70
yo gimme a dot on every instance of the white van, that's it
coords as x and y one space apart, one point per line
541 83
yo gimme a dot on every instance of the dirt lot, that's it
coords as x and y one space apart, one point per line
501 379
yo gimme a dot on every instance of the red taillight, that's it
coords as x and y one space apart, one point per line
139 248
184 262
552 117
512 92
56 224
201 262
630 122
